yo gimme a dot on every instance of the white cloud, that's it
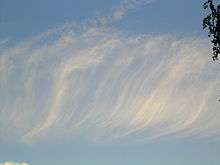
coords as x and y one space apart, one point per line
117 13
13 163
102 85
126 5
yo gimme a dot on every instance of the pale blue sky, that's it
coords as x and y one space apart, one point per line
29 17
163 153
98 97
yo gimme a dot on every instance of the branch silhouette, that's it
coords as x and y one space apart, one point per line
212 23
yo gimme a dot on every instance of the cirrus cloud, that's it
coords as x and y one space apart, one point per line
102 85
13 163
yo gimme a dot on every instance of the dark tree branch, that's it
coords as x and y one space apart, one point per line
212 23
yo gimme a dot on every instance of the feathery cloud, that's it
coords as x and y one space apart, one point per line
13 163
103 85
118 12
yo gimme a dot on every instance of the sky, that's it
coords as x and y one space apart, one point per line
107 82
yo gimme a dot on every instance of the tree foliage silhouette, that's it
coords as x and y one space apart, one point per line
212 23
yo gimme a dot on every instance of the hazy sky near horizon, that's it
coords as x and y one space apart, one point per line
107 82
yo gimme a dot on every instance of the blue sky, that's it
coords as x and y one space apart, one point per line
29 17
107 82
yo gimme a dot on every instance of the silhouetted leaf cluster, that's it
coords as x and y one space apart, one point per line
212 23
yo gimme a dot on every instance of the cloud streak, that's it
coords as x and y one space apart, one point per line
117 13
126 5
13 163
102 85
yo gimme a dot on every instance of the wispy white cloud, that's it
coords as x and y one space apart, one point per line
116 13
103 85
13 163
120 11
